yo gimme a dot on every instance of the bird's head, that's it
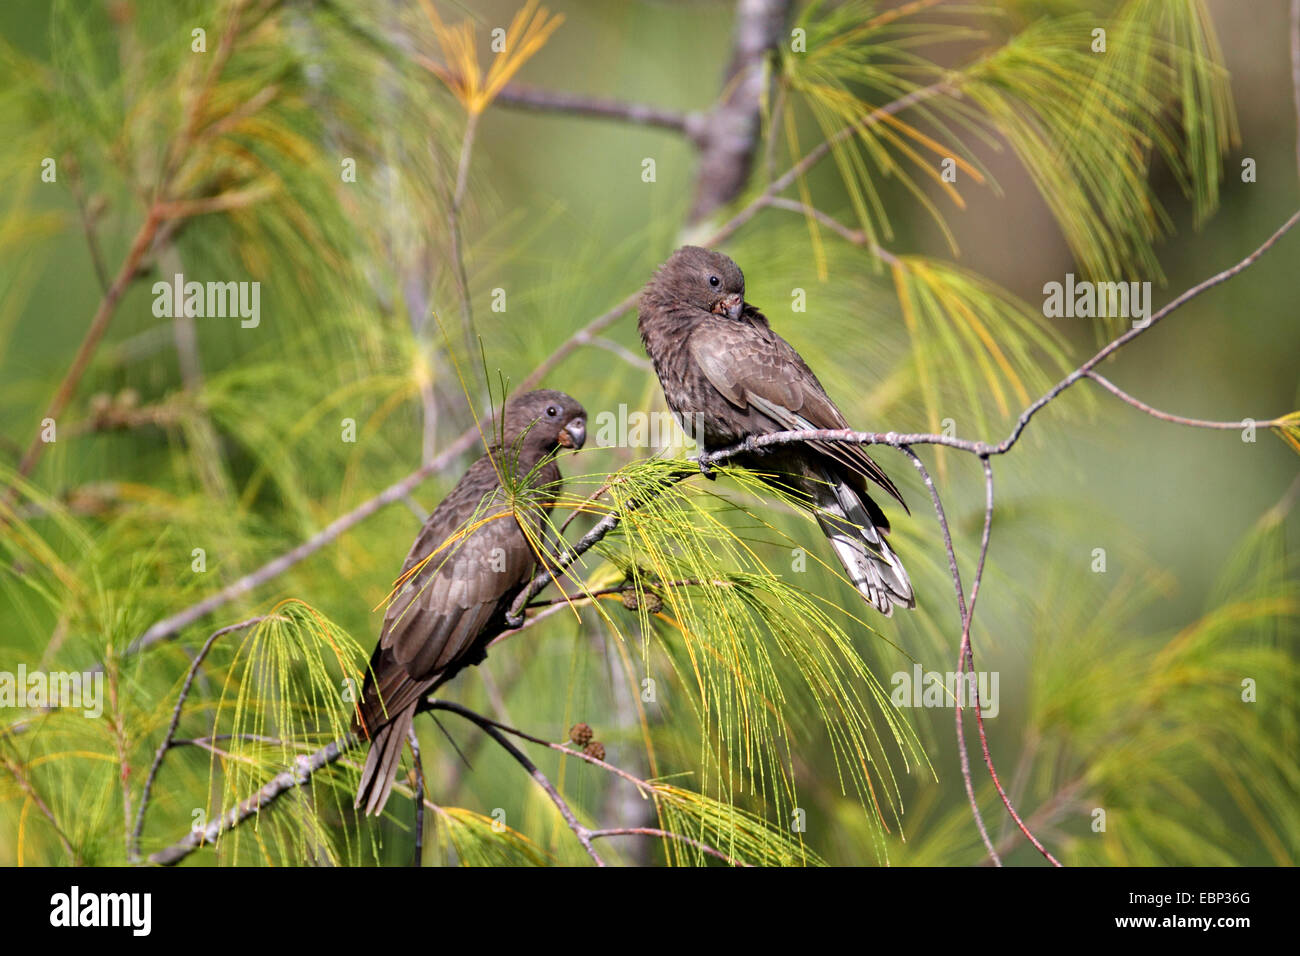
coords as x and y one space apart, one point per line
545 420
704 279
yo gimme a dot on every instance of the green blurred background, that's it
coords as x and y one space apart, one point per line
1118 690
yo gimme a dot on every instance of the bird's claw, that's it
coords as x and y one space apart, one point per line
514 621
706 466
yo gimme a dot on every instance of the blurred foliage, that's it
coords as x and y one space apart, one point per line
745 693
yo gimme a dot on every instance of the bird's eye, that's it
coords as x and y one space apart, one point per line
552 411
715 281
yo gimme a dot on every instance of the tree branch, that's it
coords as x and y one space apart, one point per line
1174 419
414 741
732 129
533 98
98 326
396 492
167 741
489 727
965 618
304 767
667 835
155 216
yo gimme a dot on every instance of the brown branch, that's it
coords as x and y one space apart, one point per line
89 219
629 588
856 237
1131 334
1046 816
167 741
1141 406
155 216
644 786
26 786
732 129
533 98
609 345
222 202
489 727
821 151
967 658
303 769
414 741
965 617
171 625
584 336
98 326
666 835
207 743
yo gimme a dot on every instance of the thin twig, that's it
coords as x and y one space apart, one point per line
207 742
1061 803
154 218
961 606
855 237
414 741
1118 343
89 220
968 659
667 835
965 655
303 769
98 326
643 785
1142 406
489 727
171 625
692 125
609 345
25 785
648 586
167 741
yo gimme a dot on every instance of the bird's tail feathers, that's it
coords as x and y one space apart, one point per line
860 545
380 772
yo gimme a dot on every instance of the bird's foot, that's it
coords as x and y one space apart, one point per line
705 462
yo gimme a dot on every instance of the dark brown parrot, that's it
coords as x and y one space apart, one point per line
473 557
728 376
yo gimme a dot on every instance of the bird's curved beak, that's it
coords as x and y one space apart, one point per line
731 306
574 434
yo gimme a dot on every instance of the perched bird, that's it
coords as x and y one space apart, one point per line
467 566
727 376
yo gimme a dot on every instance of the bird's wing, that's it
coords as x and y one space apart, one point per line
468 561
753 367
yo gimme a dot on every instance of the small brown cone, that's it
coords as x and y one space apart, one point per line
581 734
